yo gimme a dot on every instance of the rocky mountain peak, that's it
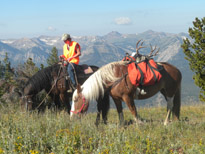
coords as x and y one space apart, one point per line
113 34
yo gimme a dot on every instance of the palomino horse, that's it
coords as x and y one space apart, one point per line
113 78
53 80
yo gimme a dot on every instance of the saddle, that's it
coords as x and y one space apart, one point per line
83 71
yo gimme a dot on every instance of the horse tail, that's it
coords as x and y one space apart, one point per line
177 103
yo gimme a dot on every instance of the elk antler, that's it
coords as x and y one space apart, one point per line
152 50
137 48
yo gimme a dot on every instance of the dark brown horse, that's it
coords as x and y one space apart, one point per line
53 80
113 78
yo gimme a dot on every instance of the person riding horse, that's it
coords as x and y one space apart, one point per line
71 53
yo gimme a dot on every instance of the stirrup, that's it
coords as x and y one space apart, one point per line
70 90
67 77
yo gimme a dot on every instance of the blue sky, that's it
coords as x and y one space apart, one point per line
33 18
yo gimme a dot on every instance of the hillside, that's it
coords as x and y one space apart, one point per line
100 50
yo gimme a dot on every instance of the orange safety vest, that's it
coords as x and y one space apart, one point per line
69 51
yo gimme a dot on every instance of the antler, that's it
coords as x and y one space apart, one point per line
152 50
137 48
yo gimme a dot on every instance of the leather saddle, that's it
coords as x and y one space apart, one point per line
83 71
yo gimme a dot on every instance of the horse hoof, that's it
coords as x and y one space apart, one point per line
139 122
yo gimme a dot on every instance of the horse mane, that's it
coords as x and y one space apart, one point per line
43 78
94 86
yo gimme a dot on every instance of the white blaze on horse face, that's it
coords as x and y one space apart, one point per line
72 108
73 104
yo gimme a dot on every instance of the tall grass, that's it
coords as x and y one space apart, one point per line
55 133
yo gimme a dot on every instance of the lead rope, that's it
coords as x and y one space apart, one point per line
51 88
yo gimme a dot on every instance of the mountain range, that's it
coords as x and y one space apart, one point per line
100 50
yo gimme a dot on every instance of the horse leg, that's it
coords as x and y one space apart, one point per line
169 109
173 105
103 107
118 104
97 118
169 105
27 103
131 105
66 101
56 102
177 105
99 108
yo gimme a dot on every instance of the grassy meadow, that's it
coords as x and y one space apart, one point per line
55 133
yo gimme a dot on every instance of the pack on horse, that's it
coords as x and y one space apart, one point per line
114 78
54 80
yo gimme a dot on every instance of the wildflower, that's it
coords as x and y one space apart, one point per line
1 151
33 152
90 140
19 137
200 142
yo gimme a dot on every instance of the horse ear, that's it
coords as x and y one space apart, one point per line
79 88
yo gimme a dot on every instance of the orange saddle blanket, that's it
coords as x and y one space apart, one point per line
144 73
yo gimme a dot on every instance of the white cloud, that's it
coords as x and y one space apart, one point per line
50 28
122 21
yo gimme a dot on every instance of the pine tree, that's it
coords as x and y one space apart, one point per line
24 72
53 57
7 77
41 66
30 67
2 70
195 53
8 74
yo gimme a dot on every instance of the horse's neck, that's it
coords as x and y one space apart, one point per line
120 73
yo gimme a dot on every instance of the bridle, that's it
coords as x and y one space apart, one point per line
77 112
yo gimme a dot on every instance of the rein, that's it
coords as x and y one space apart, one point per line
51 88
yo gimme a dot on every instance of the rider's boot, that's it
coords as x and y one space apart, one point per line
71 88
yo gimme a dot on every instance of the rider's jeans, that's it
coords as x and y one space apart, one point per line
71 67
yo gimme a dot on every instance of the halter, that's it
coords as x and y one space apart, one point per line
76 112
